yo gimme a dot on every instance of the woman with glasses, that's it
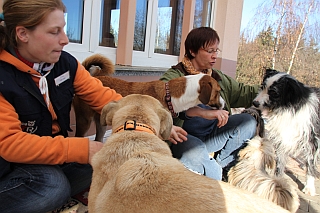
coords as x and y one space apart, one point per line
210 130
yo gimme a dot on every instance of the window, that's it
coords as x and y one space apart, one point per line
74 20
140 25
109 25
93 27
203 13
168 27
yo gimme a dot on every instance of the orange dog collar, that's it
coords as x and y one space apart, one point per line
133 125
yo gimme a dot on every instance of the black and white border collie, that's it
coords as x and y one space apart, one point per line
291 111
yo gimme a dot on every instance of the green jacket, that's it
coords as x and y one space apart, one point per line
234 94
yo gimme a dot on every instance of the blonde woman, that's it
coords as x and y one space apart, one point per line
40 166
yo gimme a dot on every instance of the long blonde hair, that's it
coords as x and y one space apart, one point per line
24 13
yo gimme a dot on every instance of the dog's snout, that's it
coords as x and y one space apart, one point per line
222 102
256 103
217 105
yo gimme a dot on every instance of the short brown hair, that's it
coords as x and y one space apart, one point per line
24 13
200 38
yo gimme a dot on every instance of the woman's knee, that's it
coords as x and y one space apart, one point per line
192 148
34 188
250 125
246 125
56 189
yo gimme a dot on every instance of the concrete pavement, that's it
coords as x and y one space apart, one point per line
308 203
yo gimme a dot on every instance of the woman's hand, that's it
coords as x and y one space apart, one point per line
209 114
221 115
94 147
177 135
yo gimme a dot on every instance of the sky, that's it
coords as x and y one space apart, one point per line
248 11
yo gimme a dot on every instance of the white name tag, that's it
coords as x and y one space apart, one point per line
62 78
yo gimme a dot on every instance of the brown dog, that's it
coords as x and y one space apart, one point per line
178 94
135 171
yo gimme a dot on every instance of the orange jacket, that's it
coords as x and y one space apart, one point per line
21 147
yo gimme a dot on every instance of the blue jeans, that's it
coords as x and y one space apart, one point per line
42 188
226 141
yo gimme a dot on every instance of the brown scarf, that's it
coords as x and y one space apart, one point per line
190 68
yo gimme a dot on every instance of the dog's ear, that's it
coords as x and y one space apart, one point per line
269 72
165 123
294 91
209 93
107 113
205 89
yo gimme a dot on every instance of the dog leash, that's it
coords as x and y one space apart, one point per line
168 100
133 125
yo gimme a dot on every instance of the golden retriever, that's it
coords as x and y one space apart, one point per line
135 171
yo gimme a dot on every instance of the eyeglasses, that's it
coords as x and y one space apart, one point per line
212 51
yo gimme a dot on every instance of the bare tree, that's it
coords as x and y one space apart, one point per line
283 11
302 28
283 34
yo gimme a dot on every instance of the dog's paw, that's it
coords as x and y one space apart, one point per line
256 113
310 191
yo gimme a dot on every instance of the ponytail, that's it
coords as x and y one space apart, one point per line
3 36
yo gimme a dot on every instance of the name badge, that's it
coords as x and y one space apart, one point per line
62 78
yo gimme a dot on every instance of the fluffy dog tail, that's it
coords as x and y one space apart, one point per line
98 65
280 190
253 173
259 151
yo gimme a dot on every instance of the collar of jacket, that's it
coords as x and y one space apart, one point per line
180 67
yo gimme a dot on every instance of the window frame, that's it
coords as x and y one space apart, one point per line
90 40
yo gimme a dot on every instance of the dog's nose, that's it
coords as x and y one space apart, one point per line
256 103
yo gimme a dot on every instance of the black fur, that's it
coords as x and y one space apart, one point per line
292 111
286 92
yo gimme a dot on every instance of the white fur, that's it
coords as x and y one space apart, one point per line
188 100
293 128
290 130
223 103
191 96
309 187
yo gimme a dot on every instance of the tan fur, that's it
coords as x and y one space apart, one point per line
102 65
135 172
209 93
254 172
